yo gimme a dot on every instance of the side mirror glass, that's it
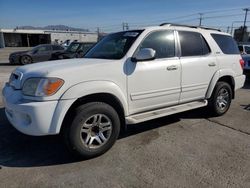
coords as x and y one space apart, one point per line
145 54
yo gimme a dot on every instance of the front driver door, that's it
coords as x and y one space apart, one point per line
156 83
43 53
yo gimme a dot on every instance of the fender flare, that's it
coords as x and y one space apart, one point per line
94 87
84 89
217 75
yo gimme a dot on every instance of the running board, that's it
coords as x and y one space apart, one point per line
137 118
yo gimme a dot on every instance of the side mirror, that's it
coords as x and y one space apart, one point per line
144 54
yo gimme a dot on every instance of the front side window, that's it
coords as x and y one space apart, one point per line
193 44
42 48
163 42
114 46
226 43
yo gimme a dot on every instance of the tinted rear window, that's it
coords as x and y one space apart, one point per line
193 44
226 43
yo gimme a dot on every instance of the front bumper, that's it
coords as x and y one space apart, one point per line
29 117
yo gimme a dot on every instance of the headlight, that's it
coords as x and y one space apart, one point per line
42 87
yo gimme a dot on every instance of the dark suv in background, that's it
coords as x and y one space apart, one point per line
75 50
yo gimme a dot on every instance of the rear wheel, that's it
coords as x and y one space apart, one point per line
221 99
94 130
26 60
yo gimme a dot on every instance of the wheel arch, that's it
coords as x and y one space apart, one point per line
107 98
89 91
222 75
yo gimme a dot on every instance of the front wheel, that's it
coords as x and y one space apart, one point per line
221 99
26 60
94 129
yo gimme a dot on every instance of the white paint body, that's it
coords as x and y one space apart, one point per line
140 87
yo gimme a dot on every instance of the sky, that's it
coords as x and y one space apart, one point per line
109 15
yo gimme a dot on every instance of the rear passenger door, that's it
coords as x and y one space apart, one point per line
198 66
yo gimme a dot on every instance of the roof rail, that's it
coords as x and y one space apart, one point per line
190 26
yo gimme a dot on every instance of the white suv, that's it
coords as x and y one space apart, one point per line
126 78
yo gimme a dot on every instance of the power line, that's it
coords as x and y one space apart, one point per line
222 16
179 19
223 10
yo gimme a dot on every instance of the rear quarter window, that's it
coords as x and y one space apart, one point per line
226 43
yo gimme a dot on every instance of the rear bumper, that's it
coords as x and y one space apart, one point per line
239 81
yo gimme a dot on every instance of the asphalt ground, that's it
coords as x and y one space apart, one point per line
188 149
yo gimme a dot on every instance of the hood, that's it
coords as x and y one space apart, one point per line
60 67
72 71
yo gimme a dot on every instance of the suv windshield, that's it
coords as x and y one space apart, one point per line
114 46
73 47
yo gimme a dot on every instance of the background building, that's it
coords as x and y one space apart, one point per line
28 38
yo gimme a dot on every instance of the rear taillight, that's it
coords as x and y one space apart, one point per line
242 63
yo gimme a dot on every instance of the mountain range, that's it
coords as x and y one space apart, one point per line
53 27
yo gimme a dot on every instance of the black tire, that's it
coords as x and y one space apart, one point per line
24 60
220 100
78 142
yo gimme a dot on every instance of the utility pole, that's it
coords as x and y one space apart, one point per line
201 18
98 33
245 9
125 26
244 25
228 27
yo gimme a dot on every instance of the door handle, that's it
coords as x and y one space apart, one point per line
172 67
212 64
